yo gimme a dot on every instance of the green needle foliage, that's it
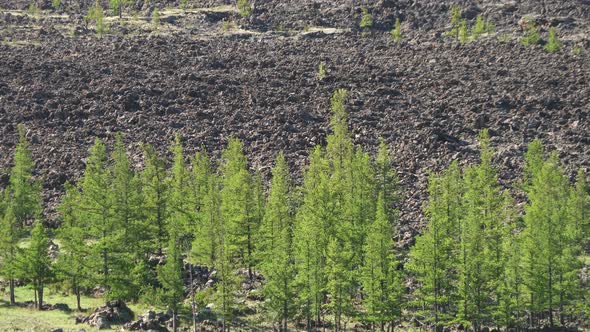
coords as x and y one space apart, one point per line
10 235
36 263
22 205
366 19
23 190
184 4
321 254
96 15
180 205
381 281
244 8
237 208
72 266
96 206
531 36
312 222
155 192
455 16
482 26
208 232
396 33
170 276
550 263
463 32
276 246
436 254
127 217
156 18
553 44
481 251
321 71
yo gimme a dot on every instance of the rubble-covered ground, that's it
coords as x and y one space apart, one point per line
208 74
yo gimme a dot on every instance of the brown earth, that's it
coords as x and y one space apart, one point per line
428 96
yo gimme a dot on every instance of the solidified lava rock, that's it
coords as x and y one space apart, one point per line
428 96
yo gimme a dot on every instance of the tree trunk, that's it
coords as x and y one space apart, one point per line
35 294
12 301
193 304
174 320
77 290
550 296
308 314
40 291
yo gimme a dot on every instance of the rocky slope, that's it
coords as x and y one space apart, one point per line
428 96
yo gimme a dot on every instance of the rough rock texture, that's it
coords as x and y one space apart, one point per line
113 312
149 321
428 97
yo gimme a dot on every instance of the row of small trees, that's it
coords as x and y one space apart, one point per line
481 261
326 249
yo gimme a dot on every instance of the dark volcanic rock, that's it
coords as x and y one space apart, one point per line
114 312
428 96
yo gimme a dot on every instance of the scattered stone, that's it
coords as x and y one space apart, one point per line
114 312
149 321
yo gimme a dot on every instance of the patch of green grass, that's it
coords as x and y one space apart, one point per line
24 319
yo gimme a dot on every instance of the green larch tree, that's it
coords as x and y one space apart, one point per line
72 265
126 217
23 190
10 235
96 207
386 180
236 204
481 239
37 265
155 199
205 246
550 263
310 238
22 204
171 279
380 279
276 246
182 212
509 286
436 254
339 280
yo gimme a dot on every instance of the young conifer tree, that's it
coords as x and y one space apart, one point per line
208 234
352 202
276 247
339 280
22 205
509 291
550 261
37 265
380 279
237 204
436 254
481 239
72 265
171 279
126 215
96 206
311 237
10 235
182 212
155 199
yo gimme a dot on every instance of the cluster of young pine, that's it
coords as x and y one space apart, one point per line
326 249
482 262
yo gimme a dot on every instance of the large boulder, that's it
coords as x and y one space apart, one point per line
114 312
149 321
